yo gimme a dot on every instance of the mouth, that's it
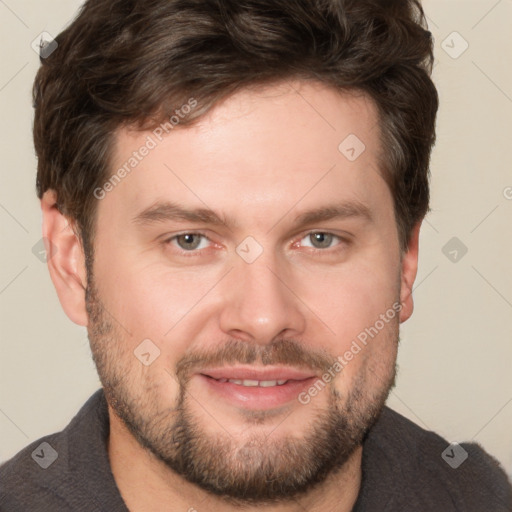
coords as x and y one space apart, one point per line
254 388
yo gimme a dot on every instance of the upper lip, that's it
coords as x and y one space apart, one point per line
252 373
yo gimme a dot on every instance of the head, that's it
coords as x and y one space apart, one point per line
237 187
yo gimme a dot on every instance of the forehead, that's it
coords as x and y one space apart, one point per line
257 149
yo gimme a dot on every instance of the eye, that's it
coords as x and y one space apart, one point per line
189 242
321 240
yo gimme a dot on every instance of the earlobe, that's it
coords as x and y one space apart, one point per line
65 259
408 272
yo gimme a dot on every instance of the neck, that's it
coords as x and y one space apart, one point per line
146 483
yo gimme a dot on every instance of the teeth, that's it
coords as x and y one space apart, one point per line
255 383
250 383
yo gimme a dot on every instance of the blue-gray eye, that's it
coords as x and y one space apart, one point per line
321 240
189 241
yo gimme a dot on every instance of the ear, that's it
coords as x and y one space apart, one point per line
65 259
409 267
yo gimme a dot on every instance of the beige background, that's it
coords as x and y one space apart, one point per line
456 354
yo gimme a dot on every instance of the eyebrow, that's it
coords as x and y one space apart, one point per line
165 211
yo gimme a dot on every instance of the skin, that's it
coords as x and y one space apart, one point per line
261 158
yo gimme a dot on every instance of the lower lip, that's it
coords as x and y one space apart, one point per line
256 397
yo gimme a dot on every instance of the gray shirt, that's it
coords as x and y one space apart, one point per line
403 470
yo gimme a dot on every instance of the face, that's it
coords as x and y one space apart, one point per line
245 300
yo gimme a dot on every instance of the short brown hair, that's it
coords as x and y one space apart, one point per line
128 62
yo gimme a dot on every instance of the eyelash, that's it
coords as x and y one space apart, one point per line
196 252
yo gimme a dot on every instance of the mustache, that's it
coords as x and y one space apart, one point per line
278 352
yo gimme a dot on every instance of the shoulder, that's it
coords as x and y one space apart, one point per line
463 474
26 480
39 474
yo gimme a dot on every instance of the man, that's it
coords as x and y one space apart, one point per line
232 193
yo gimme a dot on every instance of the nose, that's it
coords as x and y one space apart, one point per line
259 303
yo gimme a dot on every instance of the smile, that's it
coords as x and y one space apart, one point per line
259 388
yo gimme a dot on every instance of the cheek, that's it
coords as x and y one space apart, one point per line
351 298
350 302
155 303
